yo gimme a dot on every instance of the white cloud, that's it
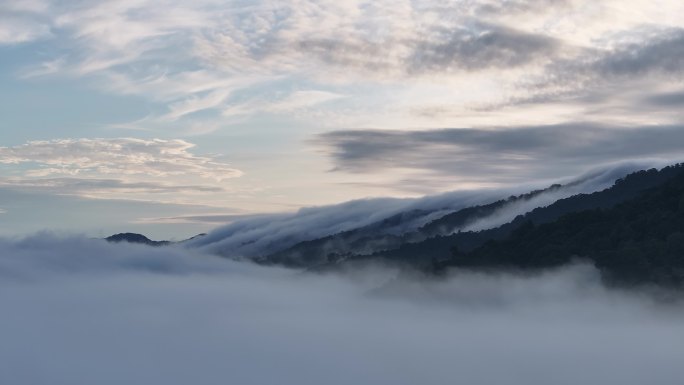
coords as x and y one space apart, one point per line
195 103
93 186
192 56
159 49
292 103
304 99
15 30
117 157
114 168
22 21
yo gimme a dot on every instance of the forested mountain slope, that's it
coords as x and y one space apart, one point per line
638 241
423 252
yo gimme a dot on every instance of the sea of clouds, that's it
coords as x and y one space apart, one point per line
83 311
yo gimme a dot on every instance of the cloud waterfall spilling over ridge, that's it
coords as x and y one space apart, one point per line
262 235
79 310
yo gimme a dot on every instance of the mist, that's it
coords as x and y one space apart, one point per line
591 181
77 310
265 234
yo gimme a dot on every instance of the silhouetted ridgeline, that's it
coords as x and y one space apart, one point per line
141 239
638 241
421 247
438 248
135 238
633 232
379 238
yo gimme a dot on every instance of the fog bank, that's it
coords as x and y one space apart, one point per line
84 311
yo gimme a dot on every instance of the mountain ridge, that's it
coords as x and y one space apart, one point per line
434 240
638 241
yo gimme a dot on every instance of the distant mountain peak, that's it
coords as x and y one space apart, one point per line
135 238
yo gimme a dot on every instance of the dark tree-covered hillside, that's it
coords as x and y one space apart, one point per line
638 241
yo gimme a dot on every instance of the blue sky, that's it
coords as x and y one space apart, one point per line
171 117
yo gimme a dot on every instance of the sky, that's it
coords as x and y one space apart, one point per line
173 117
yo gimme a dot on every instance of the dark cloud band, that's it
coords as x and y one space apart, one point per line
501 154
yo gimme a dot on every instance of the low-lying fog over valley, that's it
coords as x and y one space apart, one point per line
77 310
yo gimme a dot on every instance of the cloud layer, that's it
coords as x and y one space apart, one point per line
122 156
78 310
233 57
509 155
106 167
